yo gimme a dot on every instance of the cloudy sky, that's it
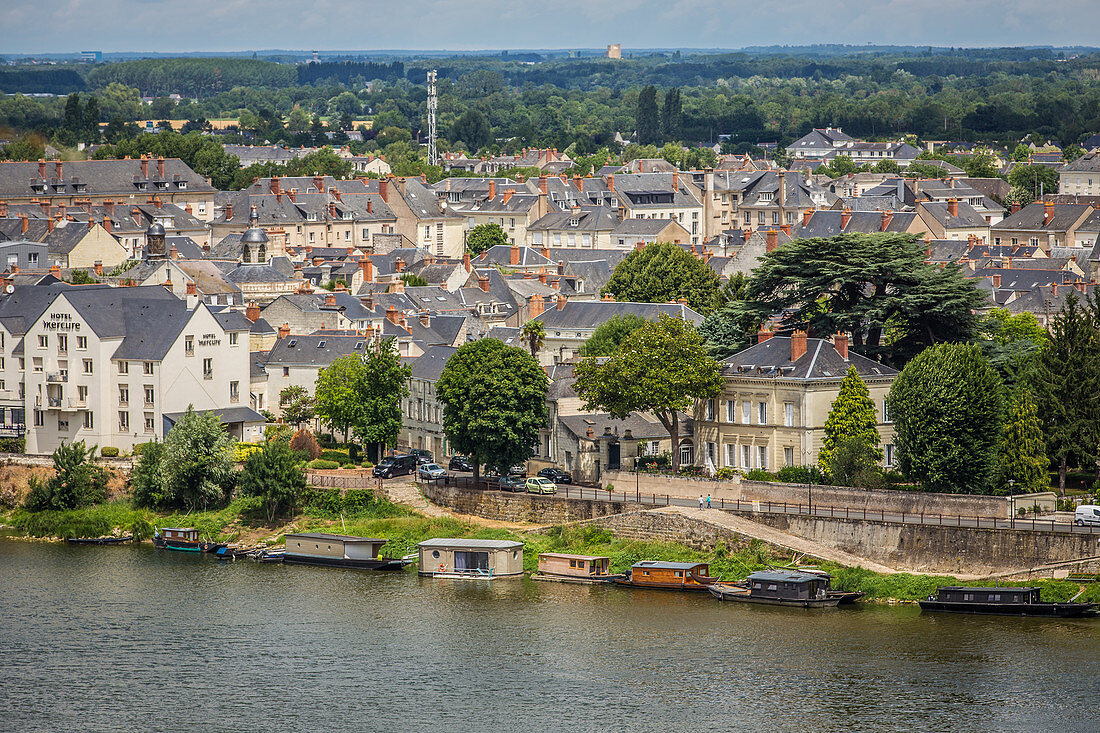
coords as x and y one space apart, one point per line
59 26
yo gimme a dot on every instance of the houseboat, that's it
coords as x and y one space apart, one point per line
564 568
337 550
181 539
779 588
684 576
1002 602
443 557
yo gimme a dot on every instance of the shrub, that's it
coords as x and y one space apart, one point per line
77 483
691 470
272 474
759 474
609 487
338 457
140 448
241 451
320 464
108 452
13 445
794 474
305 444
368 464
326 440
724 474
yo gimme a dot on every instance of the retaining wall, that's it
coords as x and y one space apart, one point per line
510 507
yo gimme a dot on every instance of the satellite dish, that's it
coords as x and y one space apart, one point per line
9 289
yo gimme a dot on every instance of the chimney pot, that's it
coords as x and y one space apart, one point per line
772 240
763 335
561 302
840 342
845 217
252 312
798 345
806 215
513 255
284 330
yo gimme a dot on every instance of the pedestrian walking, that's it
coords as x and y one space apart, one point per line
700 501
708 501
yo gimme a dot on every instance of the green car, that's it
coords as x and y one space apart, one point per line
541 485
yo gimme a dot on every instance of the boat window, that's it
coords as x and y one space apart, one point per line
435 554
645 572
679 574
515 554
772 586
996 596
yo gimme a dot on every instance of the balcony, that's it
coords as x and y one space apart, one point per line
54 402
57 377
75 403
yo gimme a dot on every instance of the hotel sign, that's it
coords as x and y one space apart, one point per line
209 339
61 322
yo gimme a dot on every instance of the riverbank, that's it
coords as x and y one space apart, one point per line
363 514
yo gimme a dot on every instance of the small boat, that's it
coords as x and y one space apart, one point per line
213 546
99 540
271 555
340 551
563 568
1002 602
682 576
180 539
843 597
778 588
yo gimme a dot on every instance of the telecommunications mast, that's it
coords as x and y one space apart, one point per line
433 156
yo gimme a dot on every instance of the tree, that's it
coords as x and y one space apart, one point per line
272 473
380 393
663 272
661 368
862 284
473 129
1038 180
73 119
1022 456
337 393
297 405
81 277
77 481
947 406
145 480
1011 342
672 115
854 420
484 236
304 444
494 403
607 336
981 164
196 468
646 120
1065 382
534 333
412 280
886 166
1071 153
91 121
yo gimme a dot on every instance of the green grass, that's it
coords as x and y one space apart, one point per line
908 587
100 520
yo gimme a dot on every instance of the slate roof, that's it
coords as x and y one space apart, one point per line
772 359
429 365
314 349
20 309
587 314
99 178
148 319
644 227
967 217
1032 216
639 426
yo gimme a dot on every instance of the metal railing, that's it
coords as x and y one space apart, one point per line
778 507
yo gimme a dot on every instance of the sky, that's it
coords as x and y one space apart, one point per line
61 26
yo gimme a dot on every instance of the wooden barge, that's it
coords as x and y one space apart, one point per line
564 568
1002 602
682 576
340 551
461 558
779 588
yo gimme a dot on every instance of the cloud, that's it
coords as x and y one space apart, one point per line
232 25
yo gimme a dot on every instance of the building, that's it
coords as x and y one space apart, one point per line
827 143
1081 176
777 396
660 196
1046 225
614 51
635 233
464 557
423 410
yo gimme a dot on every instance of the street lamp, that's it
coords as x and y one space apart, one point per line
810 478
1012 498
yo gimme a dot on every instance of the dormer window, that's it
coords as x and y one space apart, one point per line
321 344
574 222
182 184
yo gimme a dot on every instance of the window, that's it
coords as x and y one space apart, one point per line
746 412
39 418
124 367
207 368
147 367
233 338
762 457
234 391
62 343
731 411
82 343
89 420
788 414
731 454
43 342
123 422
746 457
37 363
123 395
428 232
889 454
286 371
886 412
82 394
709 413
87 366
762 413
347 236
189 345
788 456
62 425
149 394
148 422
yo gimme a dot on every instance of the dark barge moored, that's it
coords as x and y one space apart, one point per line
1002 602
339 551
779 588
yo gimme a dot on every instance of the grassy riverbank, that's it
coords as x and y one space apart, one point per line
360 513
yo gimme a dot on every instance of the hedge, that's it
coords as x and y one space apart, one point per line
322 465
108 452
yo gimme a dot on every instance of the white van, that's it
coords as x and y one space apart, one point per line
1086 514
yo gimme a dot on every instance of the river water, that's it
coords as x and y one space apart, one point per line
109 638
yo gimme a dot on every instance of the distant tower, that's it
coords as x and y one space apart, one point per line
614 51
433 156
154 242
254 242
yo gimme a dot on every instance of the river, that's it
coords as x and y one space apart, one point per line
109 638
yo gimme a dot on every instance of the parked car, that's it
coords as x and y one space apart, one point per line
541 485
391 466
520 470
431 471
422 456
511 483
1086 514
556 475
460 463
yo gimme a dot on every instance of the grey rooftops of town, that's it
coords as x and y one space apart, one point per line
429 365
587 314
604 424
100 177
1033 216
772 359
643 227
1089 162
314 349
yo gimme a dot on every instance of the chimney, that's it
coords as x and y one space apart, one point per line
339 196
42 168
578 181
332 209
763 335
319 183
55 270
398 287
561 302
383 189
561 267
1054 289
996 282
611 181
292 194
483 283
786 229
675 181
49 225
252 312
806 216
426 319
317 261
228 212
91 223
513 255
144 166
543 186
953 206
886 217
1048 212
370 206
773 240
367 267
3 209
60 168
492 188
840 342
284 330
747 234
556 284
466 261
44 204
545 252
399 265
845 217
798 345
391 314
191 289
508 195
1015 208
535 306
23 224
109 206
542 277
330 300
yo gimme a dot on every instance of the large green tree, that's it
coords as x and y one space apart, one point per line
473 129
660 368
272 473
947 406
662 272
196 469
852 418
337 394
297 405
607 336
647 122
1066 382
494 400
1038 180
77 481
877 287
672 116
484 236
1022 455
385 384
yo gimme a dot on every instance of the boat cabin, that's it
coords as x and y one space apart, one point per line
471 558
959 594
180 534
787 585
662 574
556 563
317 545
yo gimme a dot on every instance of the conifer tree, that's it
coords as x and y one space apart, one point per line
852 418
1023 453
647 119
